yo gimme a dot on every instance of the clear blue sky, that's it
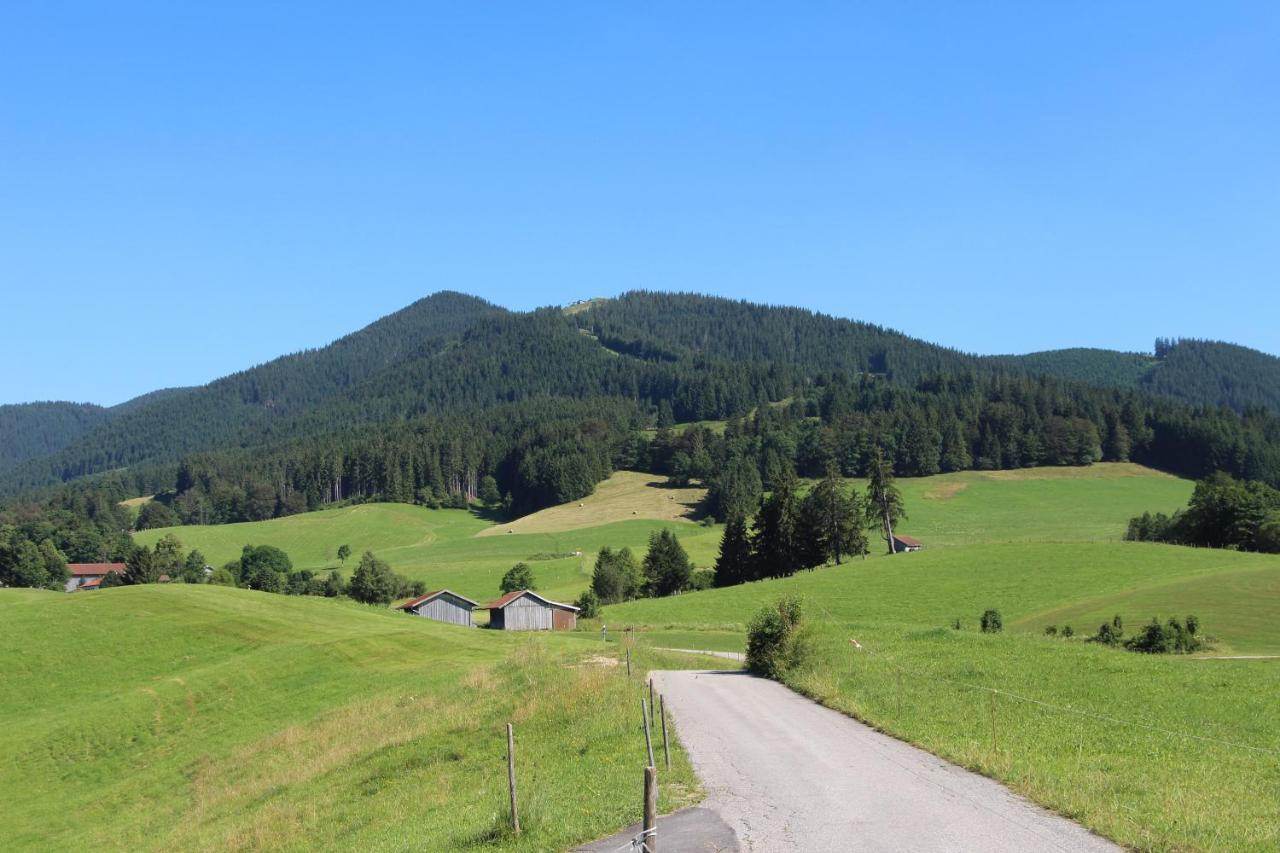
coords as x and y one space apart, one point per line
189 189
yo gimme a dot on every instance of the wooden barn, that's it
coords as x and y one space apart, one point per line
524 610
443 606
905 544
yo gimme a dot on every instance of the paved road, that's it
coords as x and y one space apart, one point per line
787 774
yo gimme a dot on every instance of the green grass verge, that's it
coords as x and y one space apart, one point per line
185 717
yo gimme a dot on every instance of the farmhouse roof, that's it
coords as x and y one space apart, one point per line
423 599
93 584
512 596
907 540
82 569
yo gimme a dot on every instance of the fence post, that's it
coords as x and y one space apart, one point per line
650 810
511 778
995 743
652 707
666 744
628 661
899 695
648 739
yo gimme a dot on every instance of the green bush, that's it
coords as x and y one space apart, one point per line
1173 637
588 605
991 622
519 576
702 579
776 640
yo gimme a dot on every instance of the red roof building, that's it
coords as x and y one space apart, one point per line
85 574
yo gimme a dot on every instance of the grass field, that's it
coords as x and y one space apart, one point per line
1158 753
184 717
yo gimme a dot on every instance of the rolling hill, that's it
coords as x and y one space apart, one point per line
207 718
1200 373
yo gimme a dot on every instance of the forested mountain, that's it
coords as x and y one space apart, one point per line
1095 366
1202 373
257 405
426 404
32 430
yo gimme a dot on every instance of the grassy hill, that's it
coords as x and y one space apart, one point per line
185 717
464 552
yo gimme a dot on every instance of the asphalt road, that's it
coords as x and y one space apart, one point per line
787 774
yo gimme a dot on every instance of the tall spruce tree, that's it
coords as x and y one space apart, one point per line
884 502
736 563
830 523
775 541
666 567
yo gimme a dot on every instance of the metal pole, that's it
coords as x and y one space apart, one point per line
648 740
650 810
511 778
666 744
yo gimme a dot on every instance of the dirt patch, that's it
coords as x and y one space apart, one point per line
945 491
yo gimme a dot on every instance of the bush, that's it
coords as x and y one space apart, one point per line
1171 638
991 622
519 576
588 605
1068 631
373 581
702 579
1051 631
776 641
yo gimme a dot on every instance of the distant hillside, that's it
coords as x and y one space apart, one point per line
1201 373
424 402
32 430
1095 366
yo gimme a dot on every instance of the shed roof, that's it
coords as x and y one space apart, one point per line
423 599
93 584
907 540
82 569
512 596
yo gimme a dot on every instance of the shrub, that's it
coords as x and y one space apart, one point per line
1107 635
588 605
1051 631
1173 637
519 576
775 639
1068 631
702 579
373 581
991 622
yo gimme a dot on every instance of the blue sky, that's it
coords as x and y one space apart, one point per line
188 191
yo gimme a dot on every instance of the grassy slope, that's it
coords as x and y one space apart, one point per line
441 547
625 496
1158 753
202 717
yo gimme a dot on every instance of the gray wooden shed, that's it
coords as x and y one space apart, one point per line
443 606
525 610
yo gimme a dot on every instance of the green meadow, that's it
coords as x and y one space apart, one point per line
196 717
1159 753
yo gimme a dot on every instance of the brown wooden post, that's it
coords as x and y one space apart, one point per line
648 739
666 744
652 707
650 810
628 661
511 778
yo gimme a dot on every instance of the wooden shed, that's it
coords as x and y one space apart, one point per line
905 544
525 610
443 606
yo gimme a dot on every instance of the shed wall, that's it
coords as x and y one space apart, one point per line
446 609
527 614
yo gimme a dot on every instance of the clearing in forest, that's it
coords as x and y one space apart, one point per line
626 496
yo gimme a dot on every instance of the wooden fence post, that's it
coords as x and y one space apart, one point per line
648 739
650 810
652 707
511 778
628 661
666 745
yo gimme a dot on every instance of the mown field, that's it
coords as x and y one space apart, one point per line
187 717
1160 753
